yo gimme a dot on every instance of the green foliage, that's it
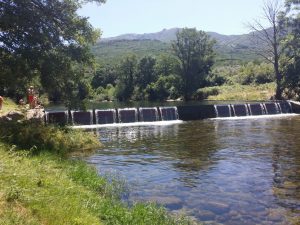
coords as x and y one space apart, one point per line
104 94
235 92
36 137
127 73
46 189
112 52
204 93
145 72
194 50
166 87
166 64
46 40
104 75
291 60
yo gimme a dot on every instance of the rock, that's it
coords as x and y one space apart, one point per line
172 203
15 115
217 207
206 215
275 215
290 185
35 114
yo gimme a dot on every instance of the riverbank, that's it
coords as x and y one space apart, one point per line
39 184
261 92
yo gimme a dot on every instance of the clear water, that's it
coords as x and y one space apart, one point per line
216 171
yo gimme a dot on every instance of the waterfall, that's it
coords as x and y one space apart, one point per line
223 110
82 117
168 113
256 109
240 110
285 107
105 116
148 114
271 108
127 115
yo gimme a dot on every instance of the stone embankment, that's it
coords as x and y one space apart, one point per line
31 114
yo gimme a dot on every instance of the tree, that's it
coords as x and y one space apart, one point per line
194 50
291 44
270 37
125 83
166 64
146 72
104 75
47 40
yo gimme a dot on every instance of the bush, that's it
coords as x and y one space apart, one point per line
204 93
37 137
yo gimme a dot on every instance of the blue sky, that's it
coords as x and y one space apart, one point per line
117 17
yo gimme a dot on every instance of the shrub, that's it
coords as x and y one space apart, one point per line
37 137
204 93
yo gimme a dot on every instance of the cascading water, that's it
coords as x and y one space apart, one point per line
106 116
256 109
148 114
271 108
82 117
285 107
127 115
222 110
240 110
168 113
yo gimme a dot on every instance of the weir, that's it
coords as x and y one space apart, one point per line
82 117
256 109
58 117
127 115
223 110
157 115
148 114
240 110
106 116
168 113
253 109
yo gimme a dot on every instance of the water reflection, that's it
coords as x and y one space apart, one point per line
228 172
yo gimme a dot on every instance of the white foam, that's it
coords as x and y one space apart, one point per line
136 124
256 117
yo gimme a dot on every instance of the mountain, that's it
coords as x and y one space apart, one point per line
228 47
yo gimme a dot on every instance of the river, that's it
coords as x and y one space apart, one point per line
216 171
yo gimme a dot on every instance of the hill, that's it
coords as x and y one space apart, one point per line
228 47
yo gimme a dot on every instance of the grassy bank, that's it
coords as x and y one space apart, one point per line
46 189
239 92
8 105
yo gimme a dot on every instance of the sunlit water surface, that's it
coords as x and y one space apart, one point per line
216 171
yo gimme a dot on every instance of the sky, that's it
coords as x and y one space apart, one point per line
117 17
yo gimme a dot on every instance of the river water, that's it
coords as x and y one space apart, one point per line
216 171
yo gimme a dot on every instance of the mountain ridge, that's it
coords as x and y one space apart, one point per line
228 47
167 35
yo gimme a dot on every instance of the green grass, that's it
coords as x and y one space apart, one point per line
241 92
47 189
8 105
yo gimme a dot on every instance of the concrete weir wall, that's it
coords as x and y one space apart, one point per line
196 112
295 107
185 113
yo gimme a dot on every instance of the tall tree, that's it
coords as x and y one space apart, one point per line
291 44
47 39
270 36
127 72
194 50
146 72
